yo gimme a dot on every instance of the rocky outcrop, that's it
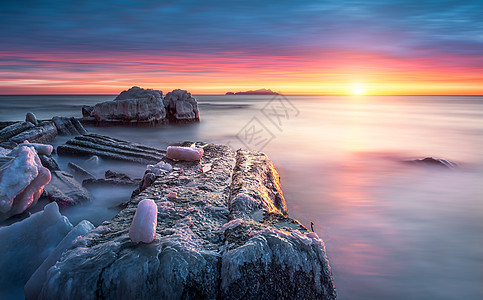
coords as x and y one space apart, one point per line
110 148
138 106
44 133
181 105
226 235
19 132
135 105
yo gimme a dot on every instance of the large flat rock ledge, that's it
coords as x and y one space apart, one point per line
227 235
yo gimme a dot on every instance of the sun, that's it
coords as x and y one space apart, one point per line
357 89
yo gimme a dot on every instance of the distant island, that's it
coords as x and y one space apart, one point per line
255 92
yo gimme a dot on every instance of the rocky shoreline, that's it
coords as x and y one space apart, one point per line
226 234
223 229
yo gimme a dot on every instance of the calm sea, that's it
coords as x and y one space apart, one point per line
392 230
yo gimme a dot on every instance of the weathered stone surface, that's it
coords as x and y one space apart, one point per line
111 148
65 190
225 236
44 133
134 105
49 162
181 106
68 126
14 129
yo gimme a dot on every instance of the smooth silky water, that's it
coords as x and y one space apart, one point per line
392 230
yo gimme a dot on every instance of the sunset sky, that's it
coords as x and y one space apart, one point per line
211 47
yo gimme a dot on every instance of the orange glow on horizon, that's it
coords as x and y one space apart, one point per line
341 73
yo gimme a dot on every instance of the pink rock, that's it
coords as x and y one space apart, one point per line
21 181
184 153
29 196
143 227
172 194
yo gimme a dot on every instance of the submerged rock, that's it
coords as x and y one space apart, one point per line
65 190
436 162
112 178
79 172
110 148
226 235
22 180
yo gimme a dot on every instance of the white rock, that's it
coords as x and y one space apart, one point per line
26 244
34 284
21 182
143 227
184 153
40 148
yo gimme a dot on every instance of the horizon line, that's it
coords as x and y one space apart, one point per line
347 95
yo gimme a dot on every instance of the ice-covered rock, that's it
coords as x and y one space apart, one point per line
21 181
34 284
44 149
184 153
143 227
261 253
26 244
181 106
134 105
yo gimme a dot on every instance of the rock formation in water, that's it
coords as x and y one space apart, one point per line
435 162
181 106
255 92
144 106
225 235
110 148
134 105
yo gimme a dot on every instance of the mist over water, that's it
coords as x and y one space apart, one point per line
392 230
